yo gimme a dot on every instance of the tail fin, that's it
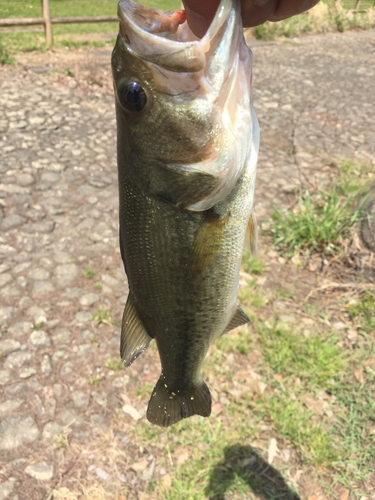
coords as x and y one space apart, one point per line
167 408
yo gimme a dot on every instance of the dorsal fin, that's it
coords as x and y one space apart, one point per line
134 337
251 237
239 318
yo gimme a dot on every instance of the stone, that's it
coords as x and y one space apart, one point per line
58 355
9 345
100 399
98 419
5 377
17 389
6 488
50 407
89 299
58 390
37 314
46 365
5 267
65 273
51 430
17 463
67 416
12 221
25 180
121 382
50 177
61 336
43 287
43 227
21 328
67 368
39 274
17 430
5 278
6 313
26 373
39 339
10 405
62 258
40 471
80 399
35 384
83 317
18 359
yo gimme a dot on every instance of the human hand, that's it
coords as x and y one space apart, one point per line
254 12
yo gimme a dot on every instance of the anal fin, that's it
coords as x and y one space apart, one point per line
251 236
134 337
239 318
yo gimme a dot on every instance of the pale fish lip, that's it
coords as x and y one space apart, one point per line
165 52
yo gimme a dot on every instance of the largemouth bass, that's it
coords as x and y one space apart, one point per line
187 146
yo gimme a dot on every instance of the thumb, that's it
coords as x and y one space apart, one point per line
199 14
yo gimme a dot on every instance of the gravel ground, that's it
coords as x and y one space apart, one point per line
59 255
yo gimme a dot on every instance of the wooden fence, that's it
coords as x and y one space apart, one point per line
47 20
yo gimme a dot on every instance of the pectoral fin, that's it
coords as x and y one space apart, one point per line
134 338
251 236
207 242
239 318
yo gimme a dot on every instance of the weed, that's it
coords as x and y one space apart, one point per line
320 222
364 311
98 286
5 56
95 381
104 316
114 364
145 390
39 326
355 178
61 441
252 265
314 360
69 72
89 273
286 294
239 341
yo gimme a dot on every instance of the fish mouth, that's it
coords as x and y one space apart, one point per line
165 39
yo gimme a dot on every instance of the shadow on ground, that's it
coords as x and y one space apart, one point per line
243 462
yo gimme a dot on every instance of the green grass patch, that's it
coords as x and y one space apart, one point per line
319 222
115 364
104 316
89 273
316 360
252 265
364 310
355 178
95 381
145 390
237 341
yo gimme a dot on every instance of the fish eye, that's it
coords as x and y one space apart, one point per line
132 97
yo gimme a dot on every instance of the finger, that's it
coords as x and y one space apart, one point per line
289 8
256 12
199 14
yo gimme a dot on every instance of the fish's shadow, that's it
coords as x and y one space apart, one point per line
245 463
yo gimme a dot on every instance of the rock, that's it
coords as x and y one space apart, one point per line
130 410
67 416
80 399
98 419
5 278
25 180
35 384
17 430
46 365
37 314
17 463
66 273
50 177
50 407
39 274
38 404
18 359
4 377
61 336
58 390
39 339
51 430
43 287
100 399
62 258
9 406
110 281
17 389
101 473
19 329
27 372
43 227
40 471
6 488
12 221
6 313
67 368
121 382
89 299
9 345
83 317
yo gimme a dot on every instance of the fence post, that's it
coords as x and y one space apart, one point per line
357 5
47 22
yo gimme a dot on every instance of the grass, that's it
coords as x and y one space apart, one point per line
252 265
363 310
98 286
320 222
315 360
104 316
89 273
114 364
95 381
236 341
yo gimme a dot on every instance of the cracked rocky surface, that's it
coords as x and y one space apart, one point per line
60 265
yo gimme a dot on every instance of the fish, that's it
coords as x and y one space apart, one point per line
187 149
